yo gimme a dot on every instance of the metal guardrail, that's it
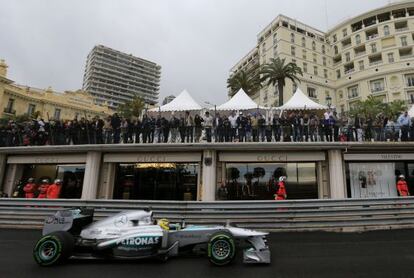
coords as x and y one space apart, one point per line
297 215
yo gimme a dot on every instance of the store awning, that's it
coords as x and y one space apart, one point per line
183 102
300 101
240 101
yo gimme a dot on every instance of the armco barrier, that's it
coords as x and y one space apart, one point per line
298 215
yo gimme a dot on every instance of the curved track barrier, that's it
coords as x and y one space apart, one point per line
298 215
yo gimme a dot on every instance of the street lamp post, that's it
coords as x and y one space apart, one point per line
215 119
328 101
215 108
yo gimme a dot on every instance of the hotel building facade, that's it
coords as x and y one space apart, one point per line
17 100
368 55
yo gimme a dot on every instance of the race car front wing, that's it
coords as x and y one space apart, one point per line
258 253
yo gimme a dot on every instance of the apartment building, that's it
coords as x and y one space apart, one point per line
371 54
114 77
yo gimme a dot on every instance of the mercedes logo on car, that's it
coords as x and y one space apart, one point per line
121 220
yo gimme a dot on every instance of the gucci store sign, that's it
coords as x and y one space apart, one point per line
46 159
271 156
379 156
152 157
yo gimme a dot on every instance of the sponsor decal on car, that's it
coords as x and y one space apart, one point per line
139 241
55 220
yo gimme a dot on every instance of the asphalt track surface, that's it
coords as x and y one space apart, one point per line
316 254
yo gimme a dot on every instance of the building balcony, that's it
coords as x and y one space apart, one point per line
371 37
357 54
9 111
408 56
353 97
401 29
378 90
373 63
349 71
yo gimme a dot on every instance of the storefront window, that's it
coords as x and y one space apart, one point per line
258 181
156 181
377 180
71 177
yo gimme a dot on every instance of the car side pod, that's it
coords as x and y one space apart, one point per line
259 253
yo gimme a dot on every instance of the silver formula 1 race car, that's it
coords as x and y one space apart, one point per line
135 235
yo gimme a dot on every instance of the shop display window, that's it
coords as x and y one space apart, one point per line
258 181
377 179
156 181
71 177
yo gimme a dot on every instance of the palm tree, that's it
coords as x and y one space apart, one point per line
276 72
248 80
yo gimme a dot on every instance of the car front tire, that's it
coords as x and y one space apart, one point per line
221 248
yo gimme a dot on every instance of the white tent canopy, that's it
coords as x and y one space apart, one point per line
240 101
411 112
299 101
183 102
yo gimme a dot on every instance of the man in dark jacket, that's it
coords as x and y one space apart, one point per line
116 126
218 128
165 129
99 123
137 130
182 128
241 126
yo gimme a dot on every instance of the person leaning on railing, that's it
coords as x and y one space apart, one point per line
412 130
198 125
208 125
182 128
405 122
189 126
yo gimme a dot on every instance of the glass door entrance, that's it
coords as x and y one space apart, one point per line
156 181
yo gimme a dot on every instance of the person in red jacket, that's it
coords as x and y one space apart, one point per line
43 189
53 191
29 189
281 191
402 187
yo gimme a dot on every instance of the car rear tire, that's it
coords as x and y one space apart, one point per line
53 248
221 248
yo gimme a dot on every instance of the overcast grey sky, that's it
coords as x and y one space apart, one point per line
45 42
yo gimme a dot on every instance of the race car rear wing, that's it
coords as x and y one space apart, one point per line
70 220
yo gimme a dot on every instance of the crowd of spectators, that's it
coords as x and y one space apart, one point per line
288 126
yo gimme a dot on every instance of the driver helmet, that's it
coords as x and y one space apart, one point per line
31 180
58 181
282 178
45 181
164 224
401 176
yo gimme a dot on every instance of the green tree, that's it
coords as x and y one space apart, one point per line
131 108
371 107
277 71
395 108
248 80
